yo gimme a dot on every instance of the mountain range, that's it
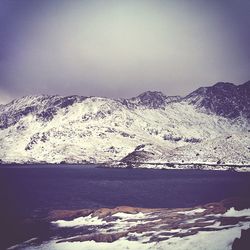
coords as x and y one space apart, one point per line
208 126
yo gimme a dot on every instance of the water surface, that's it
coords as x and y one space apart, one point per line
34 190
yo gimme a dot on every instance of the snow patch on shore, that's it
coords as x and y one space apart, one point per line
80 221
192 212
235 213
212 240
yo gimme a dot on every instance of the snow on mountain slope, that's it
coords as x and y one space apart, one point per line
43 106
229 149
100 130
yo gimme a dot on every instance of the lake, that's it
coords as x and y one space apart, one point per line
32 191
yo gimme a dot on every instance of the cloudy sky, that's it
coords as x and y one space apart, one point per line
121 48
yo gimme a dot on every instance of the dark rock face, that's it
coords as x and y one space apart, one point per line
38 137
150 99
68 101
43 107
244 242
7 119
47 115
50 111
224 99
138 155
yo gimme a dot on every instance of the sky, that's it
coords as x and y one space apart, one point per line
121 48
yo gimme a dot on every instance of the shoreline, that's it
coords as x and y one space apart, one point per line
145 165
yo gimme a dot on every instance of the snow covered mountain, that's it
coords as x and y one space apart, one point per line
210 125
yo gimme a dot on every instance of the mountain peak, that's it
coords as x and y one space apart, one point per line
151 96
152 93
223 98
150 99
223 85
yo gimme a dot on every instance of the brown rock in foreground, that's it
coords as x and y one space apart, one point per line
150 224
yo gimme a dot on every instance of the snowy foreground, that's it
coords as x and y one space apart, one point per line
203 240
212 227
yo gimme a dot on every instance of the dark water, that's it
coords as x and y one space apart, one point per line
32 191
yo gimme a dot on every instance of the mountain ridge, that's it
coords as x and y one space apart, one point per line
224 99
78 129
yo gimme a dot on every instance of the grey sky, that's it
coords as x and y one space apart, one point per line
121 48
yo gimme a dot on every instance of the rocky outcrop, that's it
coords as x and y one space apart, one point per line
243 242
145 226
44 107
152 224
224 99
150 99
